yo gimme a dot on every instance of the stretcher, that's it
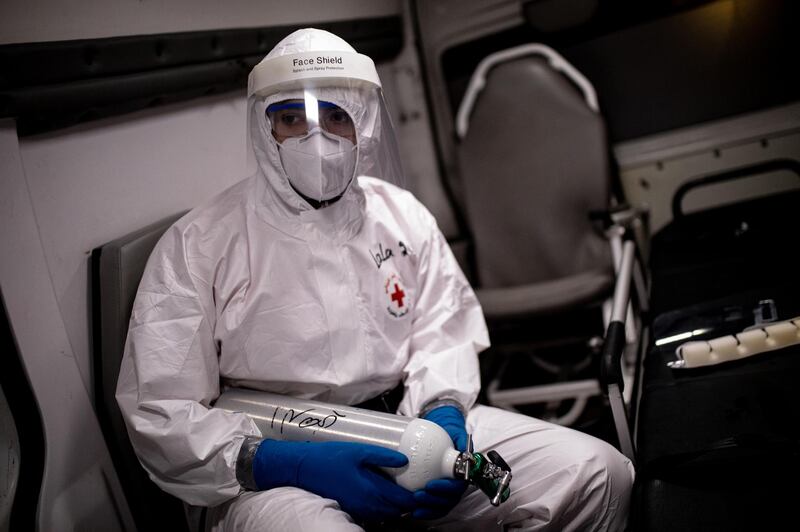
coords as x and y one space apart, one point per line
718 427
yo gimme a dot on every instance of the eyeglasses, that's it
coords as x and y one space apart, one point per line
290 119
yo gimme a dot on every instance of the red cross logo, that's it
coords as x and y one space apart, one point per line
398 295
399 300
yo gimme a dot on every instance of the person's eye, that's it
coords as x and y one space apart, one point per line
291 119
339 117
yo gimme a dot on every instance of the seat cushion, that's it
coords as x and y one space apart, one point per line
545 297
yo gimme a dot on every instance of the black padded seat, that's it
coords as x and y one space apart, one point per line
117 268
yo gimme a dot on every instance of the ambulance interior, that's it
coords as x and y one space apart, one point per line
616 179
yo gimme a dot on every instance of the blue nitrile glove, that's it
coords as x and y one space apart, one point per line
441 495
450 419
343 471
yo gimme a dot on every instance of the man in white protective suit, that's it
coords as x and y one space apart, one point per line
313 280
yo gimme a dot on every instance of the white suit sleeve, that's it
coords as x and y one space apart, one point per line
168 378
448 331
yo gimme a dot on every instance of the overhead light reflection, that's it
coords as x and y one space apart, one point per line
681 336
312 108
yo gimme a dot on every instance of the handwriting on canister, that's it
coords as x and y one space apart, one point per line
304 419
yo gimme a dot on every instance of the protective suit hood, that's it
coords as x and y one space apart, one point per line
315 61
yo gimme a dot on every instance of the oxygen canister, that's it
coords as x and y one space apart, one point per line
429 449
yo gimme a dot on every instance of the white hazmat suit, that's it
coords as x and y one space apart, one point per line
258 289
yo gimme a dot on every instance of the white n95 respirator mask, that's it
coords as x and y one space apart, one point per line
319 165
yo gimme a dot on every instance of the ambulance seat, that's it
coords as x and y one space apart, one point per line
117 268
536 182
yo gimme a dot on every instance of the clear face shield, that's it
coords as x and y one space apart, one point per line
327 130
317 144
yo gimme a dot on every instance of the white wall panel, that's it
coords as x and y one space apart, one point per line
96 182
80 490
54 20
